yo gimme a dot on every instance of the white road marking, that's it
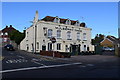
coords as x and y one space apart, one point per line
16 61
7 62
36 59
21 69
10 61
39 63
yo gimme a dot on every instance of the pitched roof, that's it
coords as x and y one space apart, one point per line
51 19
112 38
8 29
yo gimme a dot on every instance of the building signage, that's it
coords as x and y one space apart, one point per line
65 28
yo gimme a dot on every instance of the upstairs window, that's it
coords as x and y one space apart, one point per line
49 33
69 35
78 35
68 22
58 33
77 23
84 36
57 20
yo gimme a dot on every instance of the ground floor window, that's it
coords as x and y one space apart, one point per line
66 48
37 45
27 47
32 47
58 46
87 48
84 47
49 46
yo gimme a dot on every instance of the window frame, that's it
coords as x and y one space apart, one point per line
69 35
58 34
50 31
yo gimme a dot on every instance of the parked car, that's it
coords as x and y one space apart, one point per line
9 47
108 49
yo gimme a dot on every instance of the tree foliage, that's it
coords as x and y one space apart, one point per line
98 38
16 36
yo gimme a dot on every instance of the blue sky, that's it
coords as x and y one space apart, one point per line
102 17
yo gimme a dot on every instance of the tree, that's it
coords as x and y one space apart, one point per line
16 36
98 38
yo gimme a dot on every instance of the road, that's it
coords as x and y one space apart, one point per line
17 64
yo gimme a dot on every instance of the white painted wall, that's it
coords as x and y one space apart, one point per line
30 38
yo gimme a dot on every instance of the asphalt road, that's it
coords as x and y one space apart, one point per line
17 64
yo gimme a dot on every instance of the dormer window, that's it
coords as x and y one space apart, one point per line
68 22
77 23
57 20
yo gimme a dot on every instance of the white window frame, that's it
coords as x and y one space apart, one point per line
58 34
58 46
50 33
68 35
37 45
68 22
84 36
78 35
49 47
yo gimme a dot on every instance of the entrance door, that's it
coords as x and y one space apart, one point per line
44 48
74 49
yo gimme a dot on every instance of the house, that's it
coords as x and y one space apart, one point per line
70 35
109 41
4 35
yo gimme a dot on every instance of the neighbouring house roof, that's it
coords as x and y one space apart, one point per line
8 29
51 19
111 38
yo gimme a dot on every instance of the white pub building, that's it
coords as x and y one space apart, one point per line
71 36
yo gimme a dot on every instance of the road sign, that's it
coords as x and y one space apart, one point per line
53 40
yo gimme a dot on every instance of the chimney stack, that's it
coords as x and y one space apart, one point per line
10 25
6 26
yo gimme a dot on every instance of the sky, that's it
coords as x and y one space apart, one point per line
102 17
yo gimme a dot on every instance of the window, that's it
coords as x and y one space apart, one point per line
59 46
27 47
57 20
77 23
84 36
68 22
27 34
32 47
69 35
66 48
49 46
84 47
78 35
37 45
49 33
58 34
